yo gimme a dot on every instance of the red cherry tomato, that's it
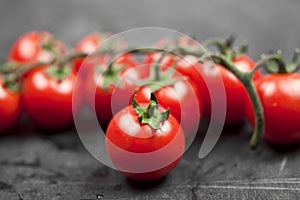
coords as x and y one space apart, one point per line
10 107
150 58
28 48
182 97
236 95
132 145
168 60
48 100
87 45
280 97
92 43
115 96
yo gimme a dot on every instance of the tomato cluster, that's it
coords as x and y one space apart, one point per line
147 105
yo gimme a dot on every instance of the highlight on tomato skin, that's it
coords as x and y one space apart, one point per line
109 93
36 46
280 97
10 108
180 93
48 99
182 97
87 45
141 152
92 43
236 95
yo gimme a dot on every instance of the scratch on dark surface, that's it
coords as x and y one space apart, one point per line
215 167
282 165
260 182
20 197
34 163
193 190
5 186
234 187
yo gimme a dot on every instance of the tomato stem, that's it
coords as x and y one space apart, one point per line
293 65
247 81
157 66
150 115
220 44
230 41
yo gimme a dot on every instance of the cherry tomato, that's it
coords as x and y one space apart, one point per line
87 45
48 99
112 96
169 59
203 76
90 44
150 58
134 147
182 97
280 97
10 107
28 48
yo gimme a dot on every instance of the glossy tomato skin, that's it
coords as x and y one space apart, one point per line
90 44
280 97
126 135
150 58
203 76
87 45
182 97
10 107
28 48
107 101
48 101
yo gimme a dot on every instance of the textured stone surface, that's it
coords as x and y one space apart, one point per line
34 165
57 166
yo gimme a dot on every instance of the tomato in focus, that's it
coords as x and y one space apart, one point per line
135 148
280 97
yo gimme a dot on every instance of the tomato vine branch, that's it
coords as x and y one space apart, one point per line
246 79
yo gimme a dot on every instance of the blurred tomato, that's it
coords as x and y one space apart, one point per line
36 46
47 97
10 107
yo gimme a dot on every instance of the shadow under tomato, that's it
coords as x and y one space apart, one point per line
145 185
284 149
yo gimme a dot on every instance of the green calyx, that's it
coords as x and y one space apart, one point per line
58 72
10 82
246 79
158 78
9 67
50 48
225 47
150 115
275 64
111 76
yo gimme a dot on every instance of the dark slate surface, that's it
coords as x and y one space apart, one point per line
57 166
35 165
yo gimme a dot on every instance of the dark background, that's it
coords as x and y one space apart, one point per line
267 24
36 165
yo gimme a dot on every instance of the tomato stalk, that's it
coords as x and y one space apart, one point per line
246 79
225 47
150 115
11 77
276 64
156 67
